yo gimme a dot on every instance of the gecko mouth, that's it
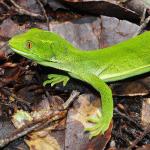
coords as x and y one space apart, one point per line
34 57
28 55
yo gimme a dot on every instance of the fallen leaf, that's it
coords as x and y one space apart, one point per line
135 87
103 7
84 106
21 118
45 143
105 31
144 147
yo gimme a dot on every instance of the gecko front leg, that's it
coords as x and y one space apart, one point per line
56 78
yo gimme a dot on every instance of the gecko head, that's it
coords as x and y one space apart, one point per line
40 45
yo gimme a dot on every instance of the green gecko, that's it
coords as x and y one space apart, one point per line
121 61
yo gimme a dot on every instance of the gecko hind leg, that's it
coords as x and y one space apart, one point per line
100 125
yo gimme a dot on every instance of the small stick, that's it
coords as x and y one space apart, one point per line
128 118
4 45
23 11
2 2
44 13
143 16
72 97
54 116
8 93
136 141
142 26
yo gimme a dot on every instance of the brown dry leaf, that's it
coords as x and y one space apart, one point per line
30 5
76 122
6 127
137 87
87 105
105 31
20 118
2 55
11 74
40 139
138 6
35 142
89 33
9 28
145 147
113 8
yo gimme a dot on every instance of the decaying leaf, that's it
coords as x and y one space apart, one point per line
45 143
20 118
86 105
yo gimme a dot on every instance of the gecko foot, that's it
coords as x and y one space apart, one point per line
100 122
55 78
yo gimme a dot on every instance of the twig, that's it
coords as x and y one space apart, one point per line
23 11
44 13
72 97
8 93
142 26
117 134
56 115
128 118
4 45
143 16
136 141
6 14
14 136
3 3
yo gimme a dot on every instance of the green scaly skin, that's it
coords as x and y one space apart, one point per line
118 62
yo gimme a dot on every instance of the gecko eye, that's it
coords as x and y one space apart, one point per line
29 45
